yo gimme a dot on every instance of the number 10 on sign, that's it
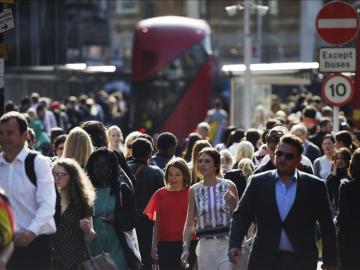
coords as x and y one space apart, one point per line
337 90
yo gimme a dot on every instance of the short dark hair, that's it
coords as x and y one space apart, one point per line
141 148
293 141
324 121
328 136
252 135
56 132
97 132
147 137
20 119
10 106
59 140
165 141
309 111
344 136
274 134
214 154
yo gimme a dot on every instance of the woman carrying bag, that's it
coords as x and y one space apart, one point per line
75 226
114 219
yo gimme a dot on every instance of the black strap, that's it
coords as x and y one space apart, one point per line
138 170
29 167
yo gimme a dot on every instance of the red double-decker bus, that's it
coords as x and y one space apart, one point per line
171 74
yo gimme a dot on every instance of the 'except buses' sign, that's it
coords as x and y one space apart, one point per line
337 60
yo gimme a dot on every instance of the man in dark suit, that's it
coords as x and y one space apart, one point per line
285 205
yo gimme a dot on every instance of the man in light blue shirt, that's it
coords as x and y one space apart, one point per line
285 197
285 205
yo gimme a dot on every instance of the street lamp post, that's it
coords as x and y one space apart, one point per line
247 6
247 61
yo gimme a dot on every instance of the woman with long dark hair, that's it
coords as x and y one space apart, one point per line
114 200
348 220
322 165
75 225
341 162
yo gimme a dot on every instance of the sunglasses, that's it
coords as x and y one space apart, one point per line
287 156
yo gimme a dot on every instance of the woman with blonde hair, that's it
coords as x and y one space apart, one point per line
78 146
195 173
247 167
130 138
245 149
115 138
75 226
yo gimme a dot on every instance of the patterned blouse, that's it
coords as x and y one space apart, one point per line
68 242
213 212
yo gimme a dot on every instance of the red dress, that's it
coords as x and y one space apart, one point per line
172 208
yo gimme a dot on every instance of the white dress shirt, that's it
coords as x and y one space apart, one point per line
34 207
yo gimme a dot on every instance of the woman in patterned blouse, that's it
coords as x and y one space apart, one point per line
75 226
210 205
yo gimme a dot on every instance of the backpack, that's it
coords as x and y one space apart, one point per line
30 172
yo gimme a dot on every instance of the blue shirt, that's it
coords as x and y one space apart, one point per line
285 197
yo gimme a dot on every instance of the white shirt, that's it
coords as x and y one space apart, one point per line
233 149
34 207
49 121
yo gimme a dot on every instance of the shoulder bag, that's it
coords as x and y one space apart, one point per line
103 261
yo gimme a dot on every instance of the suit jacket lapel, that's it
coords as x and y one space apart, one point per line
273 202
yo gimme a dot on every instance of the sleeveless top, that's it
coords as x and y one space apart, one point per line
213 212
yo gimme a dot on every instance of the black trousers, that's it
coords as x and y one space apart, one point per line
36 256
170 253
144 230
287 260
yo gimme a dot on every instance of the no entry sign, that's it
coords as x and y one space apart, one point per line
337 23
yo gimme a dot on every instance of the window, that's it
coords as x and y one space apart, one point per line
127 6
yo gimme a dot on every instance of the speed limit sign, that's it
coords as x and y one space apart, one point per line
337 90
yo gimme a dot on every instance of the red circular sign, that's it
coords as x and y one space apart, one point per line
337 23
337 90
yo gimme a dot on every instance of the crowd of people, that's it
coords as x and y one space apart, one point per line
289 186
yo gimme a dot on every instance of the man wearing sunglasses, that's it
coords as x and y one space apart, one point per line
285 205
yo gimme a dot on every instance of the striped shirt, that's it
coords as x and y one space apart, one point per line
213 212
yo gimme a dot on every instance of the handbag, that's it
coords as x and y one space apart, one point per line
125 228
242 263
102 261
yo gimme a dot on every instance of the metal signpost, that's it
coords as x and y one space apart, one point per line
337 23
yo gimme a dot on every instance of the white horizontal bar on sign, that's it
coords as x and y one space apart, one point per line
337 23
